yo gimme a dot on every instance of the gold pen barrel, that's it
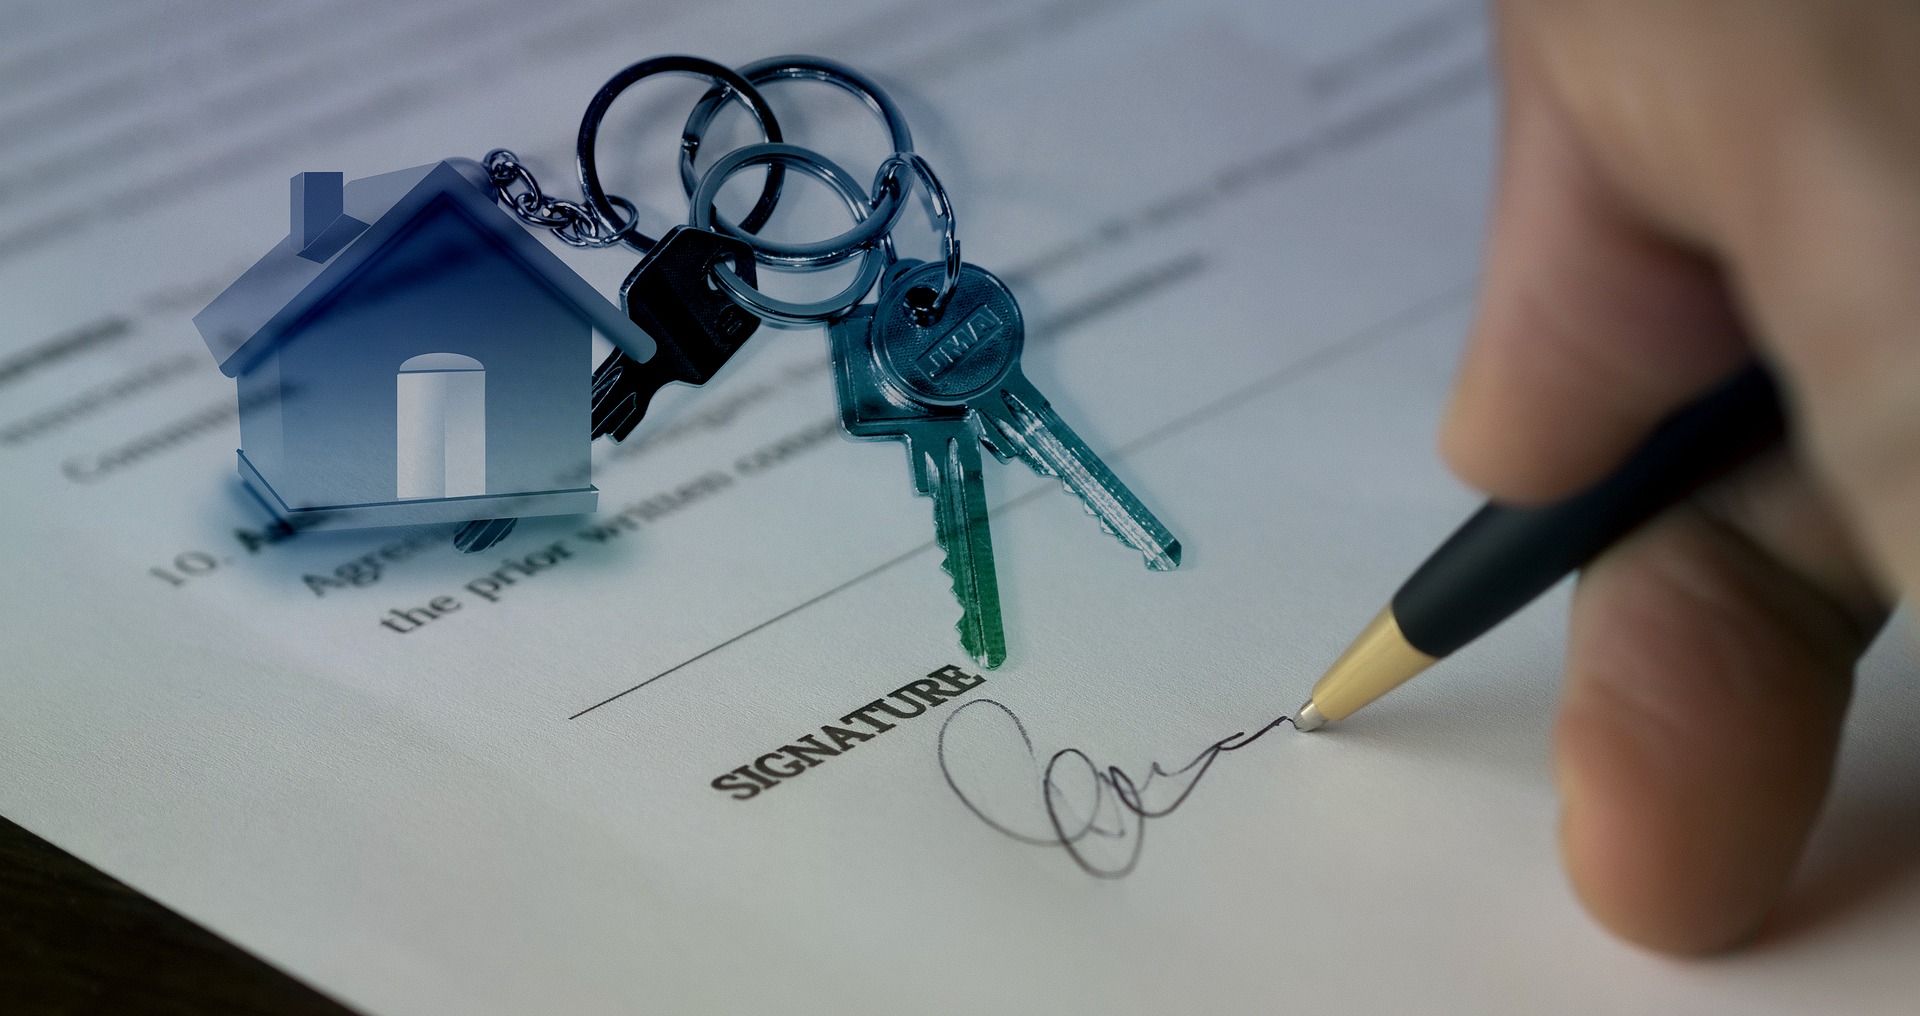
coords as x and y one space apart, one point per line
1377 662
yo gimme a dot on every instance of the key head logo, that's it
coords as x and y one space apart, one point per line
962 355
733 324
981 328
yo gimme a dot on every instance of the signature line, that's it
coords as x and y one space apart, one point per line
1391 326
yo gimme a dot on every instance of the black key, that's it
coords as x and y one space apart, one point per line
481 534
698 328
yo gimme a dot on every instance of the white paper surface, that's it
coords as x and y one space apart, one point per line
1245 237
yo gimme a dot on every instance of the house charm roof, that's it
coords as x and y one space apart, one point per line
337 229
409 354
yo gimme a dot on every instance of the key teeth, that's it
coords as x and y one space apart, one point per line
608 373
610 411
1158 557
1166 558
975 637
618 421
966 547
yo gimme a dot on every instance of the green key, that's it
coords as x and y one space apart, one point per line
944 452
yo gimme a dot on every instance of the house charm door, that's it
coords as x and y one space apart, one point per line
441 427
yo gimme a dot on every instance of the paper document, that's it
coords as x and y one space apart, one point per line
715 748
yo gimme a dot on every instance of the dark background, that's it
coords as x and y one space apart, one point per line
74 941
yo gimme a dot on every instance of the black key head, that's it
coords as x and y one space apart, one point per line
672 297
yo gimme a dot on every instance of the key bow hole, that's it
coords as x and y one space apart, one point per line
707 270
920 301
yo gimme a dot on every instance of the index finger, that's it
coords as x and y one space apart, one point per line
1593 324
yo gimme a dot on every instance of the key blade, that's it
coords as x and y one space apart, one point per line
1023 422
949 460
622 390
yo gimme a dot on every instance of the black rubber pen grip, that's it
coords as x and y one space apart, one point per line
1504 558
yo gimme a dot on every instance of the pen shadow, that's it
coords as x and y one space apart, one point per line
1503 733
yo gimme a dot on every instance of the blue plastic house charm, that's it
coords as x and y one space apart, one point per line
409 354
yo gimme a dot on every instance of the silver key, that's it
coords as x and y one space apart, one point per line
969 356
943 449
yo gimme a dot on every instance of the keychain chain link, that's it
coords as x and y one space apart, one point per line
575 224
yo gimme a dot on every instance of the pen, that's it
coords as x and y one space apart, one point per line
1503 558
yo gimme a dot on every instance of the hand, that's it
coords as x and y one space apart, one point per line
1687 184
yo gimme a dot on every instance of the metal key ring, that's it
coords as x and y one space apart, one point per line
887 181
731 86
887 208
821 168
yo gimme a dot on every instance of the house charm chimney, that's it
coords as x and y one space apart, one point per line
320 223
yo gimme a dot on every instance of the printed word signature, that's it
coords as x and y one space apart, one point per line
1097 813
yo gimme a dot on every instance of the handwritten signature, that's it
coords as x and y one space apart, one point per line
1099 814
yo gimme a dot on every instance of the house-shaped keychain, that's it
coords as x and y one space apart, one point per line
409 355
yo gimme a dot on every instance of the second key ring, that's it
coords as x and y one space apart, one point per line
866 232
873 258
729 85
